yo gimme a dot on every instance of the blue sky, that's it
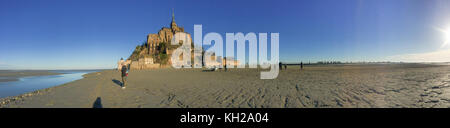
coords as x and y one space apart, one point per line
90 34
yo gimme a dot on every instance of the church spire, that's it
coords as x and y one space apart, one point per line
173 15
173 24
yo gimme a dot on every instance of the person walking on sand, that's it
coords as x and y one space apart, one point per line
301 65
280 66
124 75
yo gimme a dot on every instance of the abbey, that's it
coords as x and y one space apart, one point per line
163 37
157 50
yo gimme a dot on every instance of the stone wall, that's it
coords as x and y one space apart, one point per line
144 63
152 42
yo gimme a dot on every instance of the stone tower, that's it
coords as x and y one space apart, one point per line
173 24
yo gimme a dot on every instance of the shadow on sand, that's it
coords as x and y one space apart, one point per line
117 82
98 103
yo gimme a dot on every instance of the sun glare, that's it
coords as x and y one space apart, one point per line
447 37
446 34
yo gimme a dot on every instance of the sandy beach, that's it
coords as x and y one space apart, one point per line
376 85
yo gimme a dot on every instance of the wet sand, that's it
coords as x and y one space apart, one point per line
349 86
14 75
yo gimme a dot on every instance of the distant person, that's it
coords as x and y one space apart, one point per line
301 65
225 63
124 75
280 66
285 67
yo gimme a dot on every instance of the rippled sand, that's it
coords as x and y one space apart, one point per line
393 85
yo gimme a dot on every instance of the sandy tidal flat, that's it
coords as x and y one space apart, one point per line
383 85
14 75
